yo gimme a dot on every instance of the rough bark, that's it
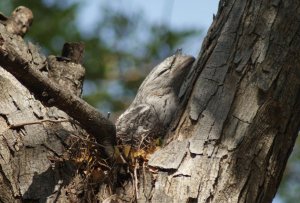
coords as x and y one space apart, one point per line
17 58
41 148
241 121
30 145
231 140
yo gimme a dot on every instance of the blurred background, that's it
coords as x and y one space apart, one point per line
124 40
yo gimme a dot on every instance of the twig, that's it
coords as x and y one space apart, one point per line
136 179
13 126
85 140
144 174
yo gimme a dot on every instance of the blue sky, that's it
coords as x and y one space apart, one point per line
180 13
177 13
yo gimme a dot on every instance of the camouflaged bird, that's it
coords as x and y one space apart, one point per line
155 104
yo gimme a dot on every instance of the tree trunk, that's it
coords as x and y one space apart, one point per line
241 121
30 144
229 143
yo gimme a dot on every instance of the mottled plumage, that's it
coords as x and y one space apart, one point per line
156 102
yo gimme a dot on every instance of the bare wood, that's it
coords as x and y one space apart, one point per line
66 70
31 147
15 58
19 21
242 116
73 51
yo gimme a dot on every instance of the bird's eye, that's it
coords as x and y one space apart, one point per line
162 72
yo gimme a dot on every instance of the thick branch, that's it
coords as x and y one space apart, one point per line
16 58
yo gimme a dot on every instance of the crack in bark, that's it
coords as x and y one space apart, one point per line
93 121
241 120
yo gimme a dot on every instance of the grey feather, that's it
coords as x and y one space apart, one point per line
156 102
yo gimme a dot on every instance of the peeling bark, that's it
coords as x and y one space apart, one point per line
16 57
36 141
231 138
241 120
